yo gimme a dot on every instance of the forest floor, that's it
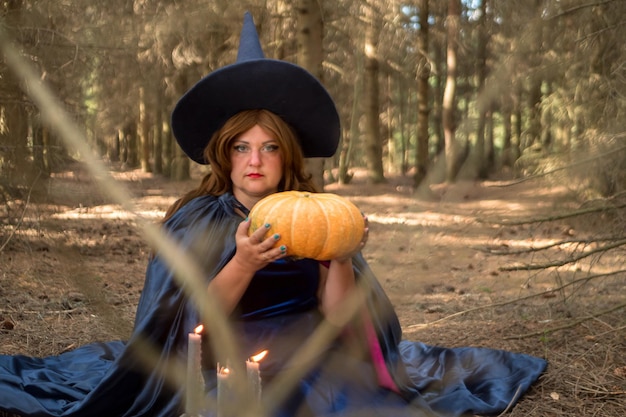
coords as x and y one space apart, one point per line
458 262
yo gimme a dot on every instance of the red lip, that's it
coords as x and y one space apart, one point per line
254 175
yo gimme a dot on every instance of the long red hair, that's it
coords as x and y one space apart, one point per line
218 150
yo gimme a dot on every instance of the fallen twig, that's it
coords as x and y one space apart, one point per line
45 312
613 197
552 171
503 303
617 329
548 246
568 325
574 213
528 267
512 402
19 222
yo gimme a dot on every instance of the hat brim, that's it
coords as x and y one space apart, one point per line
285 89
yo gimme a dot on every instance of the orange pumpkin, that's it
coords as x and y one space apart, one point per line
320 226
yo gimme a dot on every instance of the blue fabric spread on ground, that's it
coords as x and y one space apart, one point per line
112 379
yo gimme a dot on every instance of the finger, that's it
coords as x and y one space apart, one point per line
243 227
274 254
259 234
269 242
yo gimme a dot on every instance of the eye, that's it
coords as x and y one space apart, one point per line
270 147
241 148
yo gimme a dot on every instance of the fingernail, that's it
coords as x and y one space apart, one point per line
276 236
283 249
267 225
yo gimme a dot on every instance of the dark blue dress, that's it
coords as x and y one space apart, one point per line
391 377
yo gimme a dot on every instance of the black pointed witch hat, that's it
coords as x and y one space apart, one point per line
255 82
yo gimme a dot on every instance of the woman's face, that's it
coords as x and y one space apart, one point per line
257 166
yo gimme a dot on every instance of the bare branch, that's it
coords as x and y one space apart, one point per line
517 300
19 222
580 7
568 325
552 171
545 247
528 267
574 213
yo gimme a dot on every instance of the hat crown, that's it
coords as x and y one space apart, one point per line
249 44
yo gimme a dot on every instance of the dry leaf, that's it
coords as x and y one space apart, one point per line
7 324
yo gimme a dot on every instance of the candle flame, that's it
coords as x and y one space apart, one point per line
198 329
258 357
222 370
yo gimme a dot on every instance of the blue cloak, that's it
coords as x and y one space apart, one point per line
110 378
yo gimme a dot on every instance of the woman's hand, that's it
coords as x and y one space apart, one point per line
361 245
256 251
253 253
338 280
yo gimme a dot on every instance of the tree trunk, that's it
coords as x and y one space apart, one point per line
483 101
15 132
449 96
48 151
388 139
507 151
423 75
310 56
132 148
158 132
143 132
534 114
38 148
534 93
353 134
547 124
180 165
437 100
402 124
169 146
517 126
14 150
123 149
113 147
373 142
490 151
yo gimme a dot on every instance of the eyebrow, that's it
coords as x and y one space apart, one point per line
263 143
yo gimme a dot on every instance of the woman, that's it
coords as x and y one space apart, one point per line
274 302
253 122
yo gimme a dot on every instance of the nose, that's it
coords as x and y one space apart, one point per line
255 157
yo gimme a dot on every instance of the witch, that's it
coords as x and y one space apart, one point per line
254 122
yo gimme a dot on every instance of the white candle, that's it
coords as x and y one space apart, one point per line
194 372
224 394
254 374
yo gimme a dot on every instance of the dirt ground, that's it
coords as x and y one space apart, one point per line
456 260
